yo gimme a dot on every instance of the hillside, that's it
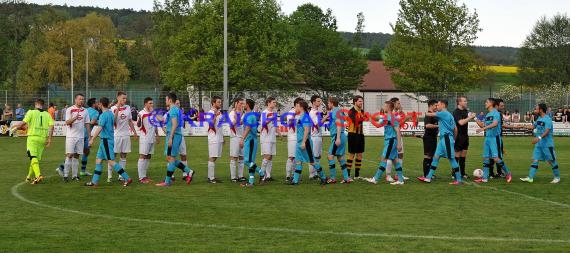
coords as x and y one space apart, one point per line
498 55
491 55
369 39
130 23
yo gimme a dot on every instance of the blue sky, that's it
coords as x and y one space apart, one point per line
504 22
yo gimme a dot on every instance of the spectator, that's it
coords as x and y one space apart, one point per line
134 112
62 112
481 116
516 117
566 115
20 112
549 112
528 117
194 114
8 114
558 116
201 114
51 110
507 117
534 117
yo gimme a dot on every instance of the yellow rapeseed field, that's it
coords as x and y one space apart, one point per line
504 69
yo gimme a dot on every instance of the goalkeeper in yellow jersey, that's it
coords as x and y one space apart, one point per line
40 131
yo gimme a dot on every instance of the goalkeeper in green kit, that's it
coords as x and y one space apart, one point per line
40 130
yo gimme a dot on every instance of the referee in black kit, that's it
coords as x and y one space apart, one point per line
462 118
430 136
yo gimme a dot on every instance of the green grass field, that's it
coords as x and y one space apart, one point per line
497 217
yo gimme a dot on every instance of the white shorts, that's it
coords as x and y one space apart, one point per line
317 146
146 148
268 148
74 145
215 149
235 150
122 144
182 149
291 148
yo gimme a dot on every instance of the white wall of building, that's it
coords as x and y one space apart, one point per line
374 101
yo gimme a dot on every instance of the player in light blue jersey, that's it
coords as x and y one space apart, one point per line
392 145
337 121
492 145
93 116
543 145
304 151
106 145
446 146
174 137
250 143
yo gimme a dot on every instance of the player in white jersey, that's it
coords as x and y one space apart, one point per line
316 133
147 139
215 137
123 127
236 135
268 136
76 121
291 118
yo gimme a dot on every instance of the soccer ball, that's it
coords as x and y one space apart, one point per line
478 173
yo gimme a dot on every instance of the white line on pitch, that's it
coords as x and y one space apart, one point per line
519 194
510 192
16 194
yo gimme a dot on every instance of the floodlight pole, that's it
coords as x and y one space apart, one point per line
226 97
86 71
71 75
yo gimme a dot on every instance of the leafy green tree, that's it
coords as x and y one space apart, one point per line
15 22
52 63
554 94
510 93
140 60
431 47
258 46
545 55
34 45
357 41
314 15
375 53
323 59
169 17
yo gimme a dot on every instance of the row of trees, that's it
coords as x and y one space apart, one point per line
545 55
36 50
47 50
491 55
35 43
184 47
266 48
431 49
